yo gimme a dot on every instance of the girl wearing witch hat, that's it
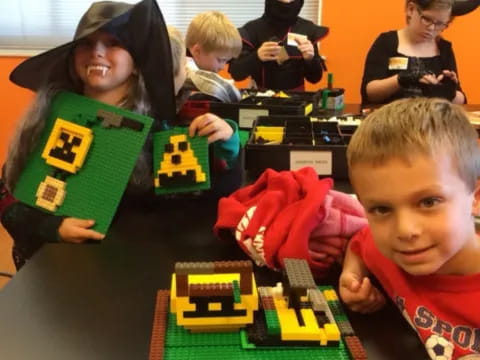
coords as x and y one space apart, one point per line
119 55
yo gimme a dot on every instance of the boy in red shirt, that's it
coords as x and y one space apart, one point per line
414 165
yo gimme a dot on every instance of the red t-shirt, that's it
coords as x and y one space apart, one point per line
437 306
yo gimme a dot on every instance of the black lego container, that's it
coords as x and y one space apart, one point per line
292 142
247 110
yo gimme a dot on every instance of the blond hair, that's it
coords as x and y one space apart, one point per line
213 31
178 48
414 126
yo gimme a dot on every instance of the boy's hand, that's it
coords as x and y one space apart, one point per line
268 51
306 48
359 294
75 230
212 126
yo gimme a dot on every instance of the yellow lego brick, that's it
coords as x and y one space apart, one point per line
269 133
215 306
330 295
61 143
332 331
178 138
280 303
212 278
173 294
308 109
282 94
238 321
292 331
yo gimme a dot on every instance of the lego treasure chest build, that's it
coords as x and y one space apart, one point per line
215 310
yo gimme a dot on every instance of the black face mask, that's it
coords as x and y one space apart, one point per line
280 13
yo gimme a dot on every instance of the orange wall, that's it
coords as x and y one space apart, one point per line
13 102
352 30
354 26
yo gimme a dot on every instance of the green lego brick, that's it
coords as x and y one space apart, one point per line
198 145
95 191
273 324
244 136
236 292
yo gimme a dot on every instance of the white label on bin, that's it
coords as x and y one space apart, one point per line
321 161
246 117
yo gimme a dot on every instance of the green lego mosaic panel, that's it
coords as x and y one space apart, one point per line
180 162
95 189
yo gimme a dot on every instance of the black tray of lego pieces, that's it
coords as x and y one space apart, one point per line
247 110
292 142
346 124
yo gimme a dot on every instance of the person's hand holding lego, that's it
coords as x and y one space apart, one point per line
212 126
74 230
269 51
305 46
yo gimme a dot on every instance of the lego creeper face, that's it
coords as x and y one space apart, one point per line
66 149
67 146
179 165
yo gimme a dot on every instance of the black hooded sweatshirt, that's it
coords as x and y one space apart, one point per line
278 20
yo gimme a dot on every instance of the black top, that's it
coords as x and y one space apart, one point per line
271 75
385 48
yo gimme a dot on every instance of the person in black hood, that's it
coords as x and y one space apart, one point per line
280 48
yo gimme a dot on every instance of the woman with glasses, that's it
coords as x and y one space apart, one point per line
415 60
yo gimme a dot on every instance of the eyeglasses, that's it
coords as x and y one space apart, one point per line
427 21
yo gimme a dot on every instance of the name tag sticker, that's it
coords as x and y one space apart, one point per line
291 38
398 63
321 161
246 117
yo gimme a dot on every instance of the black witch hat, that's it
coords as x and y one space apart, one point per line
463 7
142 31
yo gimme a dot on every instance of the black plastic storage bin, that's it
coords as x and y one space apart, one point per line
290 142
